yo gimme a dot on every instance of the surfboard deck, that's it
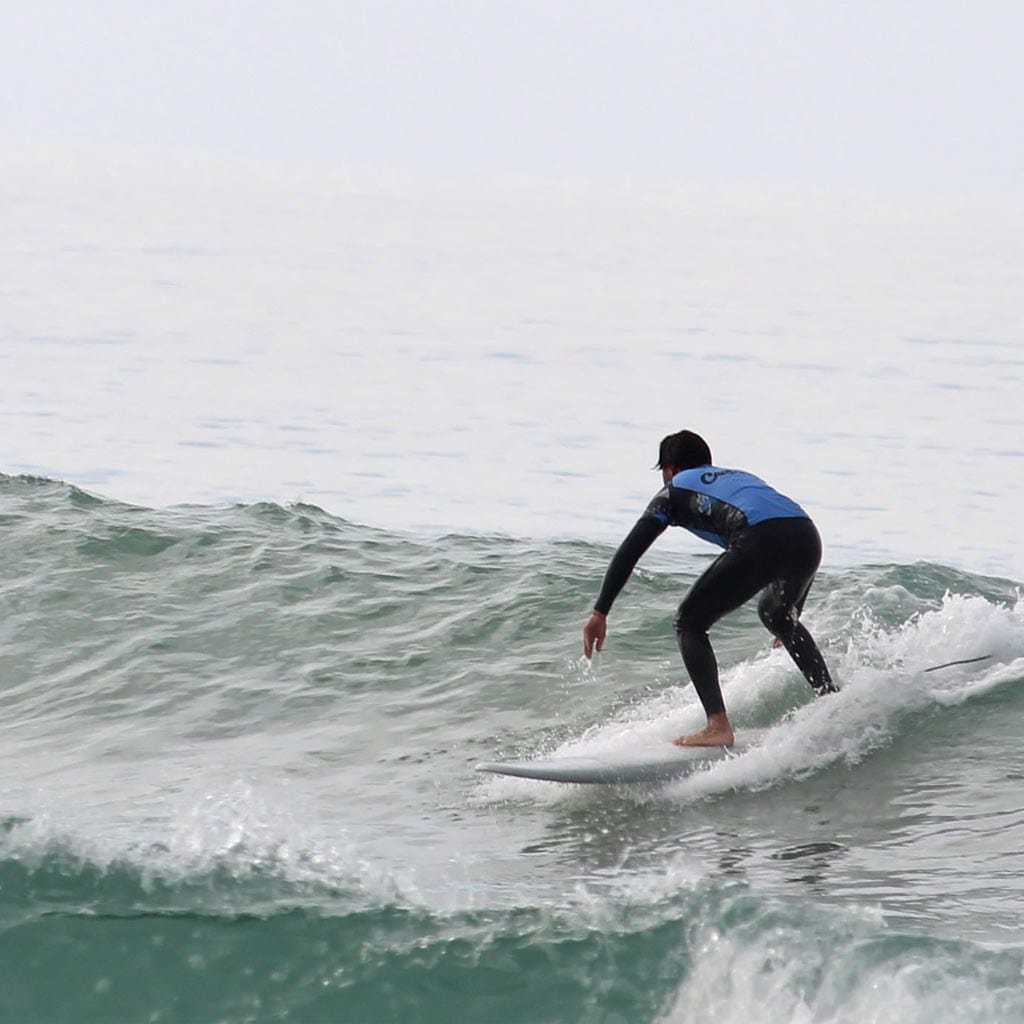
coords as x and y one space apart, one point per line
659 763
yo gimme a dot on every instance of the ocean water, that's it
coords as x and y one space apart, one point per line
307 489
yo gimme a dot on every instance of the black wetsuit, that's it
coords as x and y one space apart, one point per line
771 547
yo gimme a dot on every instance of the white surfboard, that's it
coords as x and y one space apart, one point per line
655 763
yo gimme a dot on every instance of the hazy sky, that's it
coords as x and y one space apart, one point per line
918 93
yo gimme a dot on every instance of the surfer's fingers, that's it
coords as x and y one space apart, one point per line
591 637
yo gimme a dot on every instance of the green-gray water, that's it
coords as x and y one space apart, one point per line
239 749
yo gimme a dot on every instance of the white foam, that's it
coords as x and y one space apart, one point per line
851 971
239 829
883 677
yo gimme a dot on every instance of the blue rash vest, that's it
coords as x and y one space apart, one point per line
714 503
718 504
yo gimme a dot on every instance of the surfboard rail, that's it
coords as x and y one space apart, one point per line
649 765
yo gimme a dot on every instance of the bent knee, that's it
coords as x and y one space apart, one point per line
688 623
778 619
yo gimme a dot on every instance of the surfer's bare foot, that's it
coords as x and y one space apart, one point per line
717 733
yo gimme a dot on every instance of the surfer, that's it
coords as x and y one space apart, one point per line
771 548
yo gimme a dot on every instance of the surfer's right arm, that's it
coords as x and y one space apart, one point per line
646 531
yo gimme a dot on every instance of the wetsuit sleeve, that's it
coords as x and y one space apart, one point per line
647 530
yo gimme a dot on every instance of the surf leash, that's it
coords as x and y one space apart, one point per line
962 661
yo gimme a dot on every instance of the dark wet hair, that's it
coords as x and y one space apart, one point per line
684 450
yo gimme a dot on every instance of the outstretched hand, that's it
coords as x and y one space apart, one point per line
594 633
